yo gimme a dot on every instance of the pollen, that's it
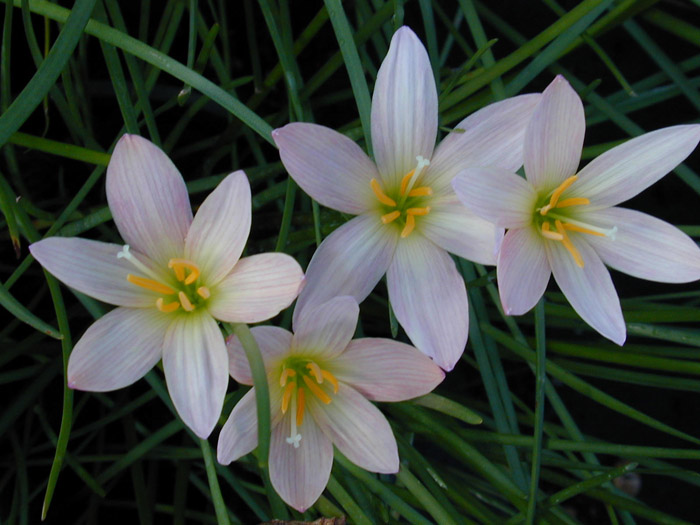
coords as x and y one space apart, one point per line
331 379
554 199
185 302
390 217
203 292
404 182
410 226
301 402
316 371
287 395
150 284
166 308
566 241
383 197
179 266
286 374
423 191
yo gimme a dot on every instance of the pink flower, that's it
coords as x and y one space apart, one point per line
320 382
568 224
172 281
408 216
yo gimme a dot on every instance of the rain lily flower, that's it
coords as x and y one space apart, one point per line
408 216
320 383
566 223
172 280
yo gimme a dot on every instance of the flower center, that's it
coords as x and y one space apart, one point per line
187 293
554 220
408 204
299 376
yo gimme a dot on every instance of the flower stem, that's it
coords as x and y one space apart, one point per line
217 498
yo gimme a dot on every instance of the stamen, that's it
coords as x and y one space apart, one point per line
185 302
166 308
418 211
179 272
203 292
316 371
410 225
568 244
575 228
300 406
287 395
331 379
557 193
412 176
548 234
316 390
423 191
179 266
574 201
383 197
286 374
294 436
390 217
150 284
404 181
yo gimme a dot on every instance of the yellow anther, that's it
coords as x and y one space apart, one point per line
287 395
179 266
316 371
418 211
150 284
404 182
316 390
203 292
574 201
300 405
383 197
557 193
568 244
390 217
410 225
548 234
331 379
286 374
574 228
423 191
185 302
166 308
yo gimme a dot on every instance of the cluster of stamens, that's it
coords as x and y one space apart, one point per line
406 192
298 376
186 296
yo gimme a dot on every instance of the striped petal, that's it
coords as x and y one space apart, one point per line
325 330
239 435
328 166
274 343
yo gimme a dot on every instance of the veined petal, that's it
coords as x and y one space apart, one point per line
325 330
554 136
220 229
239 435
148 199
429 299
493 136
92 267
328 166
117 349
456 229
358 429
196 365
299 475
386 370
503 198
646 247
523 270
350 261
258 288
274 344
589 289
404 108
626 170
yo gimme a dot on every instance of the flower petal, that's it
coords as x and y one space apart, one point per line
274 343
239 435
589 289
358 429
429 299
299 475
148 199
220 229
503 198
350 261
386 370
554 136
493 136
93 268
456 229
523 270
325 330
117 349
404 108
328 166
258 288
646 247
626 170
196 365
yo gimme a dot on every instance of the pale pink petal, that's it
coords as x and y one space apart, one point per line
148 199
274 343
523 270
503 198
299 475
554 136
404 108
328 166
92 267
117 349
350 261
589 289
196 370
258 288
358 429
220 229
239 435
624 171
646 247
325 330
456 229
493 136
386 370
429 299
